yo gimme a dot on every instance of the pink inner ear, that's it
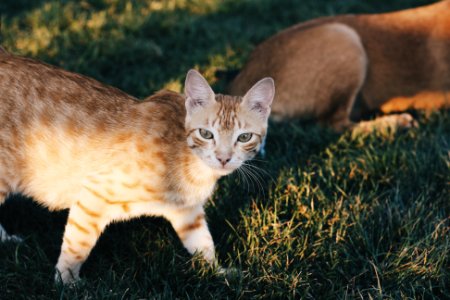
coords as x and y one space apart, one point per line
197 89
259 108
260 96
194 102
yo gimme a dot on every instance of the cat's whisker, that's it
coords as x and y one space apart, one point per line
248 179
244 179
260 183
256 168
252 174
239 176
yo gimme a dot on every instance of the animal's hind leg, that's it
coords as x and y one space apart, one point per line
339 117
4 236
344 75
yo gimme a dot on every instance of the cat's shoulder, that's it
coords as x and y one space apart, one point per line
169 101
166 95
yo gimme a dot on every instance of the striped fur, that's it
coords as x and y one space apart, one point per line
70 142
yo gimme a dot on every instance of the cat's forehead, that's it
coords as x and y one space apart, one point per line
227 116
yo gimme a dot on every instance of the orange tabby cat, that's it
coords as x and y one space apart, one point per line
391 61
73 143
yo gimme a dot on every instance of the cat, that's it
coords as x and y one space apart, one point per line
70 142
389 62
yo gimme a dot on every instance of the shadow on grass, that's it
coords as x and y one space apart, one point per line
22 216
290 147
141 59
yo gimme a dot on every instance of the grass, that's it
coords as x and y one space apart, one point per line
326 217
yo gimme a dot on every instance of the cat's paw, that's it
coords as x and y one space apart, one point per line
405 120
11 239
66 277
5 237
227 272
15 239
385 124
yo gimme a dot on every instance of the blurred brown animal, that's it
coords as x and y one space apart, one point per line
389 62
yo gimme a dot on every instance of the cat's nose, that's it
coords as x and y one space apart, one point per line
223 159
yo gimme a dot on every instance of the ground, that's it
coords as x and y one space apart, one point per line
322 216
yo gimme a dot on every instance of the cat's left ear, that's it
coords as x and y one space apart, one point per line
197 91
259 98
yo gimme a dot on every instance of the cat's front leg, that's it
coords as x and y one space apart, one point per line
192 229
83 228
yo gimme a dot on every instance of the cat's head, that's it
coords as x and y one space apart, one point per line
224 131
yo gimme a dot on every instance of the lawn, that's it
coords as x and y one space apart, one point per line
322 216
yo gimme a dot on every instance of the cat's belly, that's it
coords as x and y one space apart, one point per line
108 186
57 168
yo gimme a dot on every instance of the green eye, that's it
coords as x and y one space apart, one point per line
206 134
245 137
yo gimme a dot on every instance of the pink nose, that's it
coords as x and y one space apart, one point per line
223 159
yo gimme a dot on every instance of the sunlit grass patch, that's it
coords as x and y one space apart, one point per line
322 216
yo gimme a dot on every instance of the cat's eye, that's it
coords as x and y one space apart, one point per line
206 134
245 137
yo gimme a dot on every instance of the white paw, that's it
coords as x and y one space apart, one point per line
15 239
66 277
227 272
5 237
385 124
405 120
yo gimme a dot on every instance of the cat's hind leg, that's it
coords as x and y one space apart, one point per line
344 77
321 79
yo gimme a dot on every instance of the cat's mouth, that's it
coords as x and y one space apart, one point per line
220 168
225 169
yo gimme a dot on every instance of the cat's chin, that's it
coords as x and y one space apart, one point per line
223 171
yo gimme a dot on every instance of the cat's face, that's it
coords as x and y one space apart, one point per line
225 131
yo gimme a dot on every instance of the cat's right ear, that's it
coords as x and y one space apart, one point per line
197 91
259 98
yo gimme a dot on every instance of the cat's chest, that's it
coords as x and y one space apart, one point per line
190 194
190 185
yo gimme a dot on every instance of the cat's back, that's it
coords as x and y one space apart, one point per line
27 82
408 49
405 52
59 126
167 106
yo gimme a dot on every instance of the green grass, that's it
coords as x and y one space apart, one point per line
330 216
